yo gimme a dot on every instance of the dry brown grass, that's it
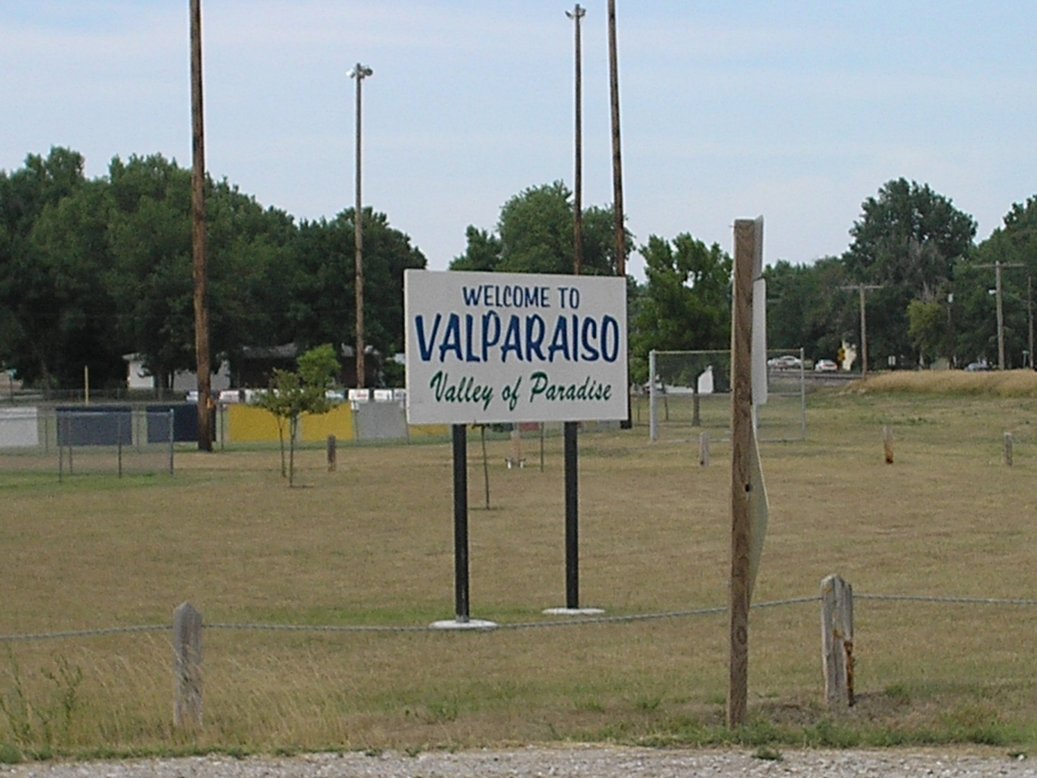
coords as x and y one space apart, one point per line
372 545
1008 383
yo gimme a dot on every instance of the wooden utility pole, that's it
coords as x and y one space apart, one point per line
360 72
617 153
576 15
201 274
741 447
1000 308
861 289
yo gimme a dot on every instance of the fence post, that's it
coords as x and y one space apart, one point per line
704 449
332 453
837 641
187 647
887 443
653 414
1009 445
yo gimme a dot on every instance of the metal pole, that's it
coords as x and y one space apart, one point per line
460 445
1029 314
572 513
360 72
653 414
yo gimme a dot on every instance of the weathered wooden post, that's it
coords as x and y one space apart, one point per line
837 641
704 449
187 647
887 443
332 453
1009 445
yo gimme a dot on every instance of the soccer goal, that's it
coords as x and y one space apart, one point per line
691 393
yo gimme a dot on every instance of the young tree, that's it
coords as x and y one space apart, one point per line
294 393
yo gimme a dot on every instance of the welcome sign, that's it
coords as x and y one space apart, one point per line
512 347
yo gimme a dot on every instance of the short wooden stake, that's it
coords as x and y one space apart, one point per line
704 449
1009 445
837 641
887 443
187 647
332 453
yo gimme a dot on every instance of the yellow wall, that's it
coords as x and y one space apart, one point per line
338 422
249 424
424 431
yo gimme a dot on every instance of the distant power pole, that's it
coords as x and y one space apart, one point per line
861 289
360 72
617 154
1000 309
198 243
576 15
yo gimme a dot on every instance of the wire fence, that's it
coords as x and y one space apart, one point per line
547 623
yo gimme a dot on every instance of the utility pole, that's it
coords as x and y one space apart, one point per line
861 289
203 364
576 15
998 265
360 72
617 154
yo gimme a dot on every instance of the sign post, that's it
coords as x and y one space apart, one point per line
492 348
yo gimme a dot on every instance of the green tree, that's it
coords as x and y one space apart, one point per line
806 308
293 393
322 308
907 239
1014 245
535 235
57 314
686 301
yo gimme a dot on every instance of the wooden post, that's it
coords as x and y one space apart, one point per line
741 445
887 443
837 641
704 449
1009 445
332 454
187 646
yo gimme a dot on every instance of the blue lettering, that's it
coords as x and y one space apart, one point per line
560 340
425 345
451 338
589 333
512 340
609 338
535 331
488 340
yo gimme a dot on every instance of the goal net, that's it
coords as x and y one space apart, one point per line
691 394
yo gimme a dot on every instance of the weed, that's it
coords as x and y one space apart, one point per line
768 754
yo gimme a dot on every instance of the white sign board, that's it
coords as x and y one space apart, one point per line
513 347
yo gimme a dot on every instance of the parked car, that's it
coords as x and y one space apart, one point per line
785 362
825 366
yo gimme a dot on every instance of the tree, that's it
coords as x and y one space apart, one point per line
52 261
1014 245
907 239
535 235
686 302
805 308
321 288
294 393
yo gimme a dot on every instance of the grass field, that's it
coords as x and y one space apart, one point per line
371 544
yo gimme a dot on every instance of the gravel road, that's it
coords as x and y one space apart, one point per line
596 761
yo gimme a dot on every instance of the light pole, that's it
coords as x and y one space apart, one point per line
861 289
998 266
360 72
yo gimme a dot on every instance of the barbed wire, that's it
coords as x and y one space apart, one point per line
550 623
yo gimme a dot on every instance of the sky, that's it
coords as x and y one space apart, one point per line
794 110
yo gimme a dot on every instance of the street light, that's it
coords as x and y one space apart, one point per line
360 72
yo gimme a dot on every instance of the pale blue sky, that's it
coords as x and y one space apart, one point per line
794 110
